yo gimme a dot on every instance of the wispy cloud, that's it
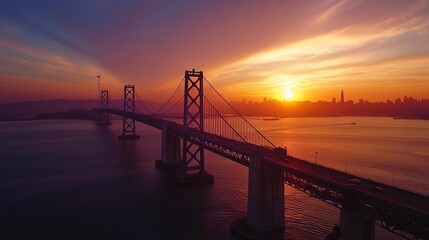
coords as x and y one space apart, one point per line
28 68
250 50
386 51
333 8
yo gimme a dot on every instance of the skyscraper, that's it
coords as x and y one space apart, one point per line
342 96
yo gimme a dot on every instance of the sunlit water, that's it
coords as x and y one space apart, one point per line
75 180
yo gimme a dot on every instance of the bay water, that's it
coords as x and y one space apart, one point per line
71 179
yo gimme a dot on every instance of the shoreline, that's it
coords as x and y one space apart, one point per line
54 116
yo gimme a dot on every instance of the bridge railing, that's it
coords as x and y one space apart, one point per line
350 172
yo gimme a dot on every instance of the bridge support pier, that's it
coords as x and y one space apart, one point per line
170 151
265 206
357 224
193 174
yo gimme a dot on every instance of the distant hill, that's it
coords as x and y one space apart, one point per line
70 114
78 109
31 110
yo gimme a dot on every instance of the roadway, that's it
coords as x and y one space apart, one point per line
397 196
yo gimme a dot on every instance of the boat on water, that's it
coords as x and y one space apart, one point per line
271 119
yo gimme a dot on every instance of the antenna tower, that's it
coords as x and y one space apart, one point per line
98 80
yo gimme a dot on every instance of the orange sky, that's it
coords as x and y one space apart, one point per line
312 50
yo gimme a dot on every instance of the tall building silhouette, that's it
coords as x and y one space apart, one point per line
342 96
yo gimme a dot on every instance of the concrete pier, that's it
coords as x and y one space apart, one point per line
103 123
357 224
170 151
265 206
128 137
200 178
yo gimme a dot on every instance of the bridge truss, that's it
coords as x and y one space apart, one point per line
208 121
129 124
104 105
193 117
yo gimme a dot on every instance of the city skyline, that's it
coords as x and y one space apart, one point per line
343 99
297 50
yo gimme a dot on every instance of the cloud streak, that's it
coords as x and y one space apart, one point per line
250 50
392 50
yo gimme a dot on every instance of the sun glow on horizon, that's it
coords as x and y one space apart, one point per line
288 95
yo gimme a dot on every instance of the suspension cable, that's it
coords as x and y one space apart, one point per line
239 113
144 105
156 112
165 104
174 105
225 120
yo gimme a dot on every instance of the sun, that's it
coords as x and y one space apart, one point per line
288 95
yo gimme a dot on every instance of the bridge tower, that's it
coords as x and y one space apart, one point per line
193 166
129 124
104 105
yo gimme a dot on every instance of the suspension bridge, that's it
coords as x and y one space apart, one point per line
200 119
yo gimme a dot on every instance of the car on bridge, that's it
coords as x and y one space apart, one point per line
354 180
282 152
276 151
378 189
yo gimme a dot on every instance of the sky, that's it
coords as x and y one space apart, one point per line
293 50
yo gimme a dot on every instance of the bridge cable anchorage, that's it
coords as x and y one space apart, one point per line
239 121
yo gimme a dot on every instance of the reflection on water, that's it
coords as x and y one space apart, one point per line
384 149
72 179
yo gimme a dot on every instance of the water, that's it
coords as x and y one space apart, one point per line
75 180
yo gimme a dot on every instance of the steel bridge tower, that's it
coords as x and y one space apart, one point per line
104 105
129 124
193 167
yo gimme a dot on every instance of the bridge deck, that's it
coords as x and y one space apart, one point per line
393 205
389 194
